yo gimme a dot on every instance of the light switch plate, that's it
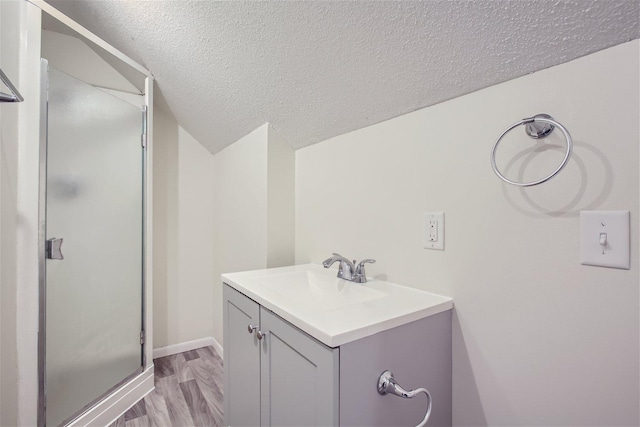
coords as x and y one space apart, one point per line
612 226
433 230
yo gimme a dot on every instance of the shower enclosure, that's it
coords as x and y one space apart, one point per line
94 179
93 229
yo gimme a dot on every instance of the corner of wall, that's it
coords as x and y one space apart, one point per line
280 201
240 214
184 219
165 219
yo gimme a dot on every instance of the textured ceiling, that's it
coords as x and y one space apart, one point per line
316 69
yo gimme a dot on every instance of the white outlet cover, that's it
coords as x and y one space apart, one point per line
615 253
427 218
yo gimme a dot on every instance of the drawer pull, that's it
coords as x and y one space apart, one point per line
251 328
261 334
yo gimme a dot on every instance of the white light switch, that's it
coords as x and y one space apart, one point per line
604 238
433 233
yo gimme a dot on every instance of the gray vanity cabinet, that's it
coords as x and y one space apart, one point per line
299 376
241 360
288 378
285 378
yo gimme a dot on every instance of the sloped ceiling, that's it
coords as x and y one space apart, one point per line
316 69
71 56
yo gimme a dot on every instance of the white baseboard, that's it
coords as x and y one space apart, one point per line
186 346
218 348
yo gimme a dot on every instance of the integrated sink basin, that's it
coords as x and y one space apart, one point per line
333 310
319 292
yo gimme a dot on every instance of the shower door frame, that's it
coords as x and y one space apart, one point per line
121 396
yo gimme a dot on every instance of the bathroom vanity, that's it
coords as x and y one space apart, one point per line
303 347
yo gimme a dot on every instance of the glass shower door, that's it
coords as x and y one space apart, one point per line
94 232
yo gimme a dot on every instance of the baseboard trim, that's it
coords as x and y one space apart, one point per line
186 346
218 347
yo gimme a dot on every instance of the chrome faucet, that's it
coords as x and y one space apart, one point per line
348 269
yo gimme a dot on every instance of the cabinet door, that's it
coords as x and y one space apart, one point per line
241 360
299 376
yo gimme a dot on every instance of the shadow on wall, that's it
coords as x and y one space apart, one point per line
553 198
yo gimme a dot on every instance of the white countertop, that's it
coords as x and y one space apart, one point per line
333 310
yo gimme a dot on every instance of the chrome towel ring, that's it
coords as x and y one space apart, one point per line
538 126
388 385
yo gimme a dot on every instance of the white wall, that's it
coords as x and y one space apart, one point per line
538 338
240 197
253 198
214 214
19 58
9 58
280 201
23 47
194 241
183 230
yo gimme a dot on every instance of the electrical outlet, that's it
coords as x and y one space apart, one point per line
433 230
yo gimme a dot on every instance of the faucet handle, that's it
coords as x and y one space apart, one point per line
360 268
361 275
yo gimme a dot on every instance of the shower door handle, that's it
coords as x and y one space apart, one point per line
54 248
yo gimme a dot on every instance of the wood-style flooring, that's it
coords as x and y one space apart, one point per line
188 393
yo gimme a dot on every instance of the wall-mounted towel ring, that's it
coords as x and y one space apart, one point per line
387 384
14 96
538 126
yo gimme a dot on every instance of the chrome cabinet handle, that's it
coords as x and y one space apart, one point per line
259 334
